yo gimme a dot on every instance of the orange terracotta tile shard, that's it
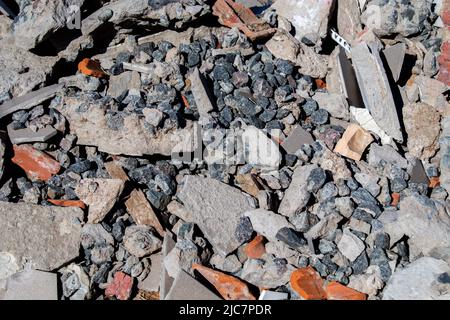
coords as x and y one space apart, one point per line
120 287
308 284
232 14
395 199
91 68
354 142
434 182
37 164
320 84
68 203
337 291
255 249
230 288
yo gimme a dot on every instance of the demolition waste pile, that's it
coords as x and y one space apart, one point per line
237 150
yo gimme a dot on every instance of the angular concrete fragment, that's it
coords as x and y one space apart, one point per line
141 211
260 150
354 142
350 245
418 174
200 93
395 56
335 104
420 280
330 161
308 17
100 195
375 89
27 135
431 92
30 285
387 154
324 227
216 208
422 123
349 22
445 154
119 84
267 223
91 128
266 274
116 171
296 196
296 139
153 281
177 209
248 184
166 281
29 100
186 287
48 237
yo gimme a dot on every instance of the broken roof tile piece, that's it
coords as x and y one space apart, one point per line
91 68
337 291
37 164
255 248
232 14
68 203
120 287
308 284
230 288
354 142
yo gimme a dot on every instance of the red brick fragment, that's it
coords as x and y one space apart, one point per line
395 199
434 182
308 284
37 164
337 291
120 287
255 249
230 288
68 203
91 68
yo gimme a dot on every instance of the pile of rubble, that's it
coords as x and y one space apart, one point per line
247 149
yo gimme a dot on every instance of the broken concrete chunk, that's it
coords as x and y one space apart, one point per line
248 184
266 274
422 123
349 21
140 241
177 209
216 208
267 223
350 245
37 164
30 285
48 237
445 152
296 196
141 211
308 17
186 287
27 135
354 142
421 280
152 282
260 150
387 154
418 174
395 56
335 104
296 139
100 195
431 92
330 161
29 100
119 84
166 281
198 88
375 89
116 171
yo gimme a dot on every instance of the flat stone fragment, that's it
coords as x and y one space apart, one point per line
349 22
47 236
296 196
166 281
116 171
296 139
385 153
198 88
2 156
395 56
29 100
37 164
445 154
354 142
431 92
375 89
27 135
266 274
267 223
260 150
186 287
100 195
419 281
153 281
350 245
335 104
216 208
142 212
248 184
30 285
119 84
422 123
418 174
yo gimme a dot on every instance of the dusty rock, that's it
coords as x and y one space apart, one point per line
141 211
95 234
354 142
201 96
216 208
422 125
76 283
420 280
431 92
100 195
27 135
395 56
423 220
350 245
30 285
267 223
248 184
185 287
266 274
445 151
140 241
91 128
230 264
369 283
152 282
330 161
296 139
335 104
48 237
296 196
324 227
386 154
349 20
2 157
260 150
